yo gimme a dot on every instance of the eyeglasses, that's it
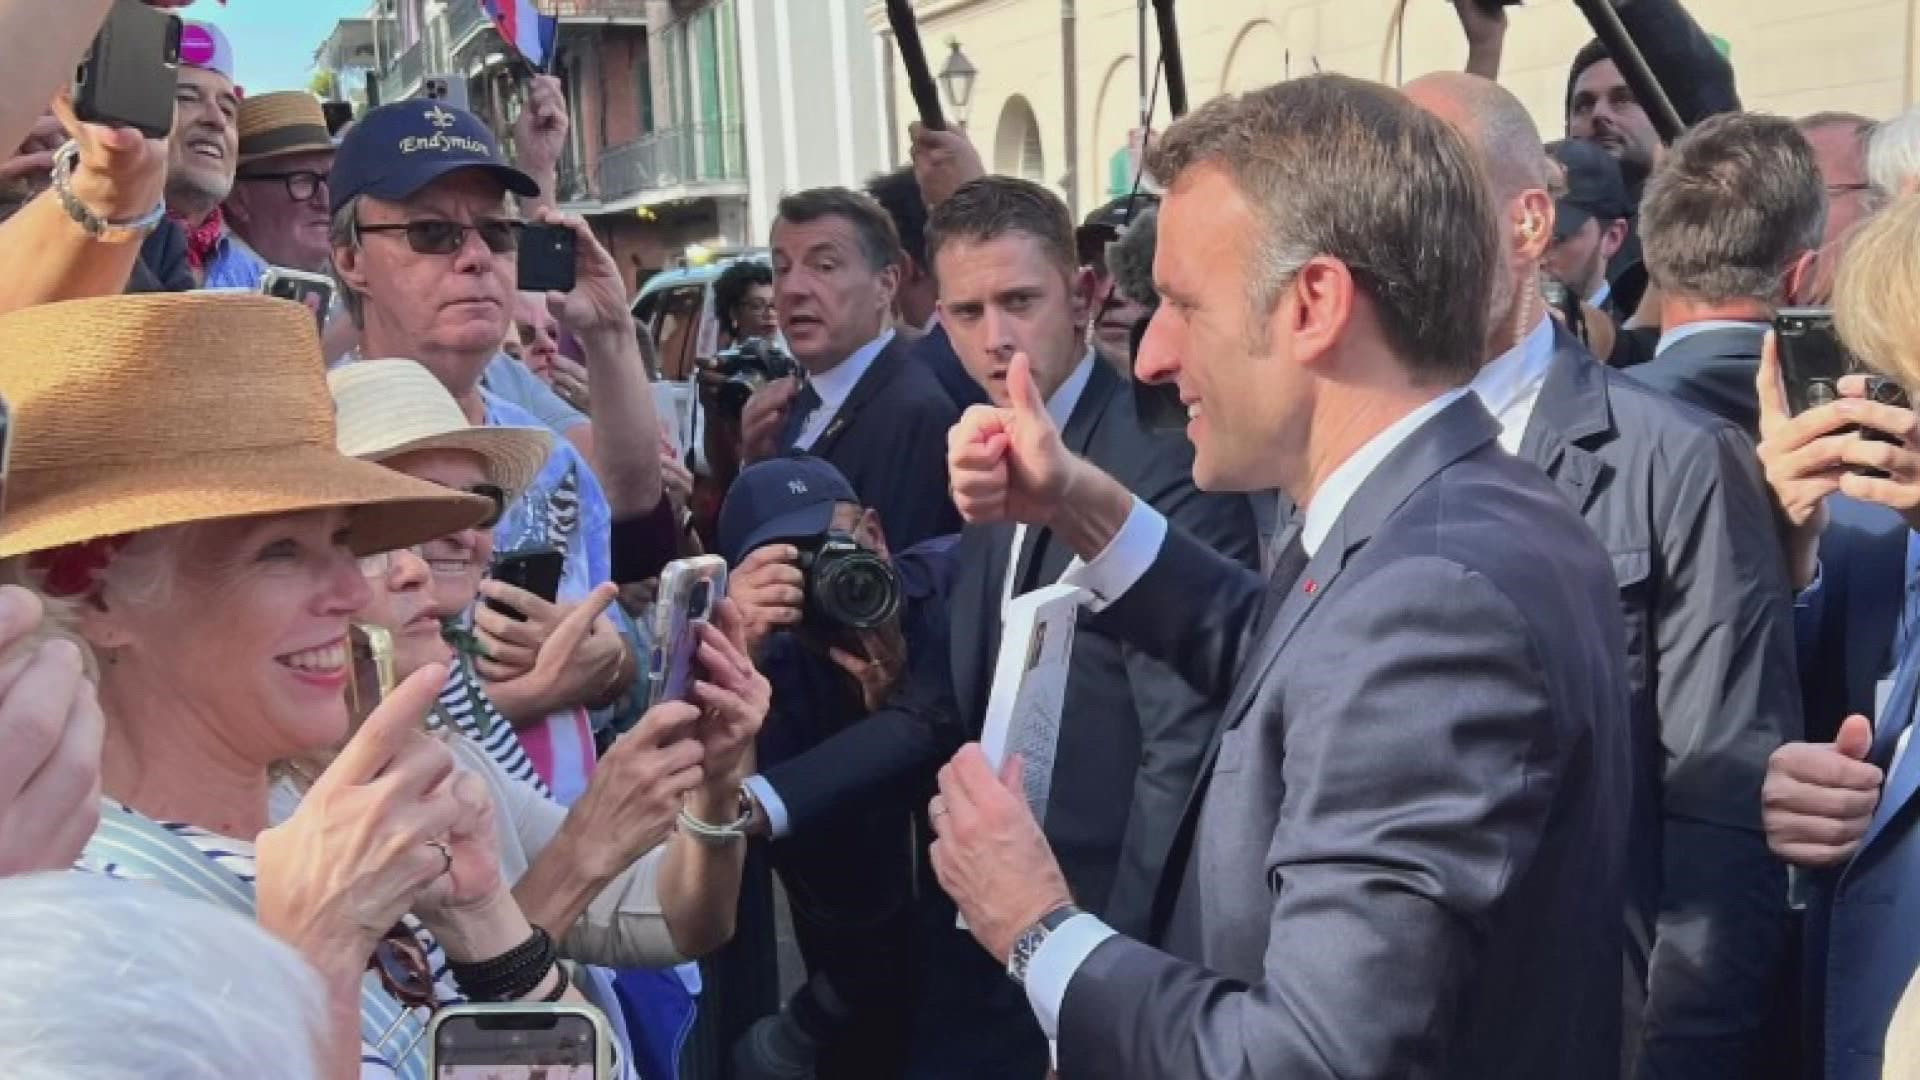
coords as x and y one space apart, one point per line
380 564
402 965
432 237
301 185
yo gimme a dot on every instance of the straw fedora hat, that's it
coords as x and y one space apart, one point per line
385 408
281 123
136 412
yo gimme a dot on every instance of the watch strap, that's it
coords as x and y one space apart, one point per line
1027 945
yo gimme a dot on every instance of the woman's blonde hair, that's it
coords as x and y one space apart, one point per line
142 570
1876 297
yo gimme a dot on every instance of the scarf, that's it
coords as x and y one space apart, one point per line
201 241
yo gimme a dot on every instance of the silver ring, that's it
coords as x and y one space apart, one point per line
441 847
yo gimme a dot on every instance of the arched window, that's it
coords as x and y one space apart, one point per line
1016 142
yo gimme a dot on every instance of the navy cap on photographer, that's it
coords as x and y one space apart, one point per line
850 884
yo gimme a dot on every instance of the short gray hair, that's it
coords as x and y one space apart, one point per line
1893 153
110 980
343 231
1736 202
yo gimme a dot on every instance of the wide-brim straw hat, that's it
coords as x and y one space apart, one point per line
132 413
385 408
281 123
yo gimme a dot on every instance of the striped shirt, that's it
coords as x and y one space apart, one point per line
237 858
466 703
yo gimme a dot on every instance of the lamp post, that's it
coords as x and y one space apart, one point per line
956 81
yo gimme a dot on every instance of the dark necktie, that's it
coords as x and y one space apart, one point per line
1288 564
799 410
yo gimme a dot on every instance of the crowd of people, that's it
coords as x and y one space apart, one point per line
1489 663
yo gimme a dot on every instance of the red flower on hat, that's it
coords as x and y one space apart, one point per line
75 570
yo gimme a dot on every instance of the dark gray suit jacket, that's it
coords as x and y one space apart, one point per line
1132 732
1713 370
1407 853
1676 497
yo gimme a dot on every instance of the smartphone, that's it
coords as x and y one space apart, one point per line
338 113
537 572
546 259
557 1041
313 290
128 77
373 679
689 588
1813 360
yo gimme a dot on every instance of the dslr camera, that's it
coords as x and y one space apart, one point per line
848 587
733 375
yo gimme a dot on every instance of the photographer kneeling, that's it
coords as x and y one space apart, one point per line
835 621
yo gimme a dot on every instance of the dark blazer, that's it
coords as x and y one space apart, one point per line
1713 370
1862 921
162 266
1846 623
1676 498
889 440
935 352
1409 829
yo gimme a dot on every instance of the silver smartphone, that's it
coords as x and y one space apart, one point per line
689 589
554 1041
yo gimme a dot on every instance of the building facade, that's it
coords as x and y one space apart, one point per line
1029 118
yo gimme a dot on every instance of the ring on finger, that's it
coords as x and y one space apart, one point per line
446 855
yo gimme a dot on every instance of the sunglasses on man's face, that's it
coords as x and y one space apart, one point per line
434 237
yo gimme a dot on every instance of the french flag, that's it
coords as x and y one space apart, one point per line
525 28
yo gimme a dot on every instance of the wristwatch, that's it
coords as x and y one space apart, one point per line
113 232
1029 942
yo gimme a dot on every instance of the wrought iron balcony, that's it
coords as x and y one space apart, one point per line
598 10
403 75
674 158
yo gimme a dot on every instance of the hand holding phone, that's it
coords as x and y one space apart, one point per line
689 590
537 572
313 291
558 1040
128 77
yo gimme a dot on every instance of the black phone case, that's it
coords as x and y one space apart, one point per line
537 572
546 259
1812 360
128 77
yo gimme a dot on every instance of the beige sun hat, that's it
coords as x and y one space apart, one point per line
131 413
385 408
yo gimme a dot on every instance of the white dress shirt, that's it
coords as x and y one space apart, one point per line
1598 301
835 385
1107 577
1681 333
1510 385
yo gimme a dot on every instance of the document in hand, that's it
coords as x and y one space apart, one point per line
1030 686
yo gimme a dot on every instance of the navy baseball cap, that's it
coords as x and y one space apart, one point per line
395 150
1595 187
783 498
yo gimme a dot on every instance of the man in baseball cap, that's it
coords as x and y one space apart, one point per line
785 498
202 154
279 202
1591 222
1110 314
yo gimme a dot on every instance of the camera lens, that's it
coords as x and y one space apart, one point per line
854 588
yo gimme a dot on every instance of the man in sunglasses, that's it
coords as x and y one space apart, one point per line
278 206
424 252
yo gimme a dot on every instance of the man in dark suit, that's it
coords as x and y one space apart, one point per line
863 404
1132 731
1731 222
1406 853
1676 497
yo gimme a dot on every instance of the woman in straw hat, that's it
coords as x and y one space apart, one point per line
609 873
176 495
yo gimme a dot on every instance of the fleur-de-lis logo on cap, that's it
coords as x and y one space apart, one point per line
798 487
440 117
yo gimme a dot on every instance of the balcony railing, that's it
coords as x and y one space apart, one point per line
404 73
463 18
674 158
596 9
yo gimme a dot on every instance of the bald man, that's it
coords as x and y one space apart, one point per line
1675 496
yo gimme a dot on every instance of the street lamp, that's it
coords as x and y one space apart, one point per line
956 81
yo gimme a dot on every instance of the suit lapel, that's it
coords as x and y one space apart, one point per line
976 588
875 379
1904 779
1457 430
1571 413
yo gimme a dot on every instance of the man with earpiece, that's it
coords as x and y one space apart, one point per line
1675 497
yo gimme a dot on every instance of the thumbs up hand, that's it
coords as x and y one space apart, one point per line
1008 464
1818 798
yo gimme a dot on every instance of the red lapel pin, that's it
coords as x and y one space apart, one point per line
1311 586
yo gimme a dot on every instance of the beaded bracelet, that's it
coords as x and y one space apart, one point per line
510 976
